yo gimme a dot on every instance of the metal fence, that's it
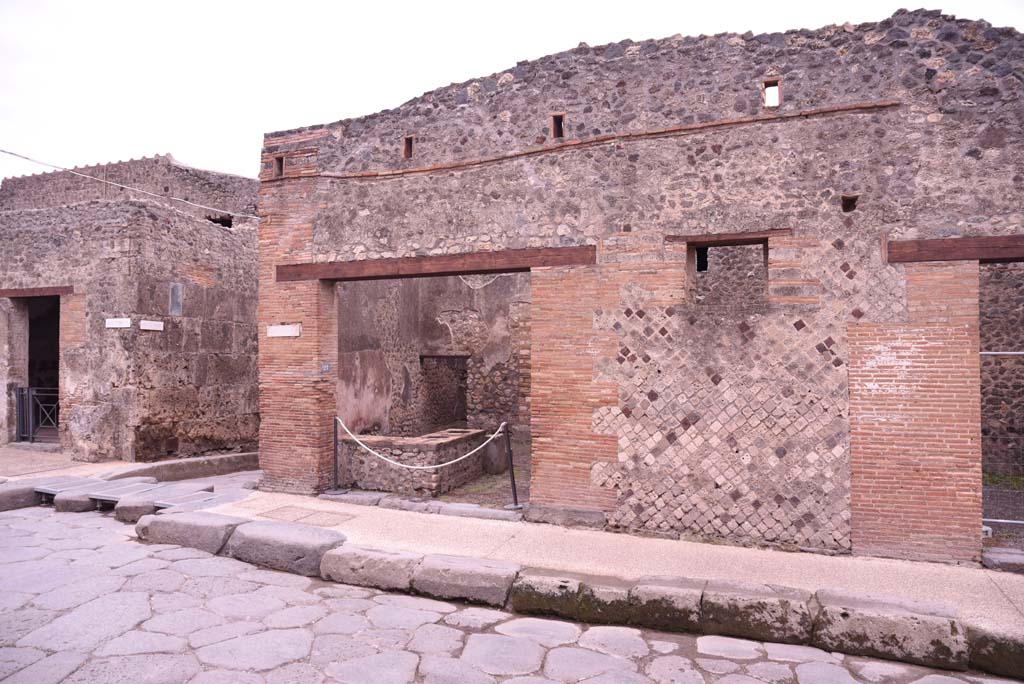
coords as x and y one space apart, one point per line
36 409
1003 484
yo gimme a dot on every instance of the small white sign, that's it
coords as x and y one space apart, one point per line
151 325
119 322
285 330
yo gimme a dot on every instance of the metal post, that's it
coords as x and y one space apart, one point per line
511 471
334 422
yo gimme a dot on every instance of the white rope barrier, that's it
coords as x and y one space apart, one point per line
411 467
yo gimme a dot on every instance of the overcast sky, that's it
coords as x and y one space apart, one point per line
93 81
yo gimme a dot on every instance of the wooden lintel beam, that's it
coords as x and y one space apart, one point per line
503 261
729 239
991 248
37 291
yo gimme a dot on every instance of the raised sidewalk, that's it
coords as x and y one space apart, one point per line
984 597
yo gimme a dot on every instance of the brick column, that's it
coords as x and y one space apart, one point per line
71 335
297 374
915 416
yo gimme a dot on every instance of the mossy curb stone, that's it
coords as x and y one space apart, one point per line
204 531
999 652
757 611
289 547
667 603
543 592
912 631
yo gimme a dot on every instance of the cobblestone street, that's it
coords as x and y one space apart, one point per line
82 601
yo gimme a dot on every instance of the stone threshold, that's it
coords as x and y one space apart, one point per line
384 500
922 633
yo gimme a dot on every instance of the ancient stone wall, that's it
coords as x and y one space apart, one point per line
161 175
724 417
130 393
421 354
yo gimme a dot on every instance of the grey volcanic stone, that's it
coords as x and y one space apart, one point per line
672 604
91 624
392 667
17 495
912 631
605 599
472 579
48 670
565 517
997 651
465 510
726 647
204 531
1010 560
357 498
548 633
756 611
624 642
138 669
502 655
679 670
576 664
138 642
289 547
443 670
823 673
544 592
369 568
262 651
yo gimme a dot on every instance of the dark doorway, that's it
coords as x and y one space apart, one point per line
39 402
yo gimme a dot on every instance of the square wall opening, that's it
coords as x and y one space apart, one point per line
732 276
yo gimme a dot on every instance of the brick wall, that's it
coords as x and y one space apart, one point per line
915 422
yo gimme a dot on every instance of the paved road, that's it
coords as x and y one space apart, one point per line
82 601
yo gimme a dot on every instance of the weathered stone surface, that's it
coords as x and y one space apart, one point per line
471 579
548 633
51 670
442 670
262 651
476 618
16 495
502 655
171 470
1007 559
283 546
138 642
798 654
674 670
727 647
436 639
566 517
912 631
605 599
244 606
396 617
355 497
369 568
294 616
394 667
568 664
823 673
464 510
997 651
624 642
672 604
544 592
204 531
89 625
756 611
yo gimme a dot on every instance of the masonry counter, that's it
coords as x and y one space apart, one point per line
363 470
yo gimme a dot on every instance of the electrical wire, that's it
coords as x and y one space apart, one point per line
126 187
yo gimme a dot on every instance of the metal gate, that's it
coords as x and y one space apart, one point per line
36 409
1003 485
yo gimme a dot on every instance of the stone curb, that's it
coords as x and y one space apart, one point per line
463 510
191 468
911 631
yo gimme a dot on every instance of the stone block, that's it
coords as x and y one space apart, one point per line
356 498
546 592
757 611
605 600
464 510
192 468
471 579
369 567
495 457
999 651
399 504
77 499
670 604
566 517
131 508
17 495
290 547
919 632
204 531
1005 559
